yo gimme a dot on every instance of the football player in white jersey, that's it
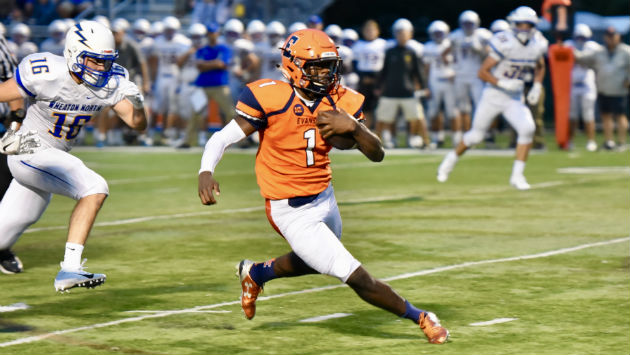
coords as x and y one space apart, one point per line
56 41
65 92
439 60
515 58
469 48
20 45
350 78
369 55
163 63
272 58
141 29
245 62
583 87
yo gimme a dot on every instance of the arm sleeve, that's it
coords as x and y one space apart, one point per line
216 145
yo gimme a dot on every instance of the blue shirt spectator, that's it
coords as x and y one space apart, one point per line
214 77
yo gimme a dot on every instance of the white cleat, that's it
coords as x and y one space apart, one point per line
519 182
446 166
591 146
67 279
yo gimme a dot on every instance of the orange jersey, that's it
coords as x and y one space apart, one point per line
292 158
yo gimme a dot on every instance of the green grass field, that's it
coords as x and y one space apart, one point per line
172 258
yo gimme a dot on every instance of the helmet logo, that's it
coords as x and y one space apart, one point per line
288 45
78 32
298 109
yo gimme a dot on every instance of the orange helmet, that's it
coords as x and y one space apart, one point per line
306 55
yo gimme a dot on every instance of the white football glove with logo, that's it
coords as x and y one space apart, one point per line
512 86
534 94
15 143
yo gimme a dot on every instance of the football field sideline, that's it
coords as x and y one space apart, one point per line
548 253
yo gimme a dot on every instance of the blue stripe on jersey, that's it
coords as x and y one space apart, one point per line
358 113
45 172
285 108
19 81
258 124
247 97
496 50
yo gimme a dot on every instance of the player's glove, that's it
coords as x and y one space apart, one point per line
18 142
534 94
513 86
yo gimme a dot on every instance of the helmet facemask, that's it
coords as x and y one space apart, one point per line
319 76
523 35
91 76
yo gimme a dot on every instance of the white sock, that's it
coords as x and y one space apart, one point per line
387 136
457 137
100 136
518 168
440 136
72 257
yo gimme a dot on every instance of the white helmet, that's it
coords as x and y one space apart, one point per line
157 28
233 25
20 29
276 28
120 25
142 25
334 31
102 20
57 26
197 29
296 26
171 23
402 24
438 30
582 30
523 14
90 39
499 25
469 16
350 35
256 26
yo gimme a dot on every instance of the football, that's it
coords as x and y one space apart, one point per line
344 141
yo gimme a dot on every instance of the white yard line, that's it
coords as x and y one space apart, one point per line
14 307
595 170
325 317
494 321
192 311
39 337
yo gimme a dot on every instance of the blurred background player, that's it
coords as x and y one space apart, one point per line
191 101
583 88
369 54
20 44
163 63
315 22
397 84
157 29
56 41
256 33
469 43
245 63
612 68
350 78
439 61
272 56
515 56
141 31
296 26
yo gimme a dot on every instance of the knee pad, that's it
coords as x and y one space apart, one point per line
473 137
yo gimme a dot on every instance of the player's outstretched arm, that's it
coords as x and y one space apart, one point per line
131 109
233 132
9 91
339 122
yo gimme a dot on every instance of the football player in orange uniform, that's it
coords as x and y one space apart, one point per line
298 123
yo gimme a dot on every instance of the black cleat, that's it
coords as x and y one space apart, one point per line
10 263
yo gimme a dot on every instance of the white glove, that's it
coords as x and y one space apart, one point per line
132 93
512 86
19 143
534 94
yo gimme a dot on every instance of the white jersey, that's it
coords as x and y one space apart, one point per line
189 71
167 52
22 50
583 76
370 55
440 61
515 60
469 51
269 61
59 106
146 46
51 46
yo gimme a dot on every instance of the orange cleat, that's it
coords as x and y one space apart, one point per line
430 325
249 288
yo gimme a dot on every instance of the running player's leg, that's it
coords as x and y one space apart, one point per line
520 118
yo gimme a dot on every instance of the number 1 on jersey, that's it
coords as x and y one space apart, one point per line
309 135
